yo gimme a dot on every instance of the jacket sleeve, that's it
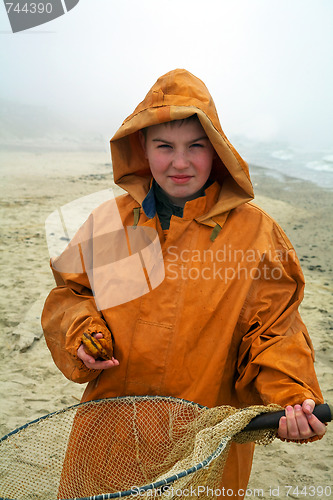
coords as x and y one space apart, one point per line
276 357
70 310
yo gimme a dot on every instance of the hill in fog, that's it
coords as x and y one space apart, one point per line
27 126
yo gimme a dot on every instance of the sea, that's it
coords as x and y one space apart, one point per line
281 161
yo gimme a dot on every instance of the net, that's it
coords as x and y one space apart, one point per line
123 446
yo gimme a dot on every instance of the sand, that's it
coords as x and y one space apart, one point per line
34 184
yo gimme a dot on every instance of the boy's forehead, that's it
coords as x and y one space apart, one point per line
177 127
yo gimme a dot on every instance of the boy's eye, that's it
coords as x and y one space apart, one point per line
163 146
197 145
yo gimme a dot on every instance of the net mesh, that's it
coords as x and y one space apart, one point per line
120 446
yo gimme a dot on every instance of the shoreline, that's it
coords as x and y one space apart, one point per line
35 184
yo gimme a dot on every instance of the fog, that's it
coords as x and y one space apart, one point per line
267 64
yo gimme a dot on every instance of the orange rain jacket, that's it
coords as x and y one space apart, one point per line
223 327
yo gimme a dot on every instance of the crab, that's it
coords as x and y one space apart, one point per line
97 348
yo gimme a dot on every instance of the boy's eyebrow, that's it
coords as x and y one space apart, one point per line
157 139
200 138
160 140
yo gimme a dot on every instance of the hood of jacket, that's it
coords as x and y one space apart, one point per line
177 95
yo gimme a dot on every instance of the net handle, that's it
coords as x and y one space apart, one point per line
271 420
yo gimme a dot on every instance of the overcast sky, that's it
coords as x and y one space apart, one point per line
267 63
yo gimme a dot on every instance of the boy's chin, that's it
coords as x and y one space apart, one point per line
180 193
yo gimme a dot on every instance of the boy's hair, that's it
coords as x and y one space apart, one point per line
192 118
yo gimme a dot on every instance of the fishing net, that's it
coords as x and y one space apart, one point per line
123 446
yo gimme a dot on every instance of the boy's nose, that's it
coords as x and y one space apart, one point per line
180 161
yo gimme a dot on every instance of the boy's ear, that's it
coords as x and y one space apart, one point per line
142 140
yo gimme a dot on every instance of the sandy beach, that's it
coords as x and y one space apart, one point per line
34 184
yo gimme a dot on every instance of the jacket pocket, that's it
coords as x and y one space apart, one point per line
147 358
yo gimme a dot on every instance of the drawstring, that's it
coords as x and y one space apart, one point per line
136 214
215 232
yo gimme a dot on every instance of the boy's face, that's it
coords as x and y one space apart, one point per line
180 157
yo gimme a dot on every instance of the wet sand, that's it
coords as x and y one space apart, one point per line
34 185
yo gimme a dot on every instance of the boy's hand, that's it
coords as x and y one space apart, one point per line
299 422
92 363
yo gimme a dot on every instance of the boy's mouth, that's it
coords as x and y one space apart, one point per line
180 179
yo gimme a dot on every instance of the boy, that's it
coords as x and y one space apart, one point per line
223 327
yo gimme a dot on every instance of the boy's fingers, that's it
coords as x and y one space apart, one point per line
302 422
317 427
92 363
308 406
283 430
292 426
98 335
101 365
